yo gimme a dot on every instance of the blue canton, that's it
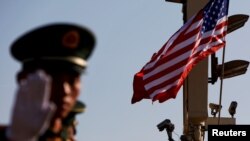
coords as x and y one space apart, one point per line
215 10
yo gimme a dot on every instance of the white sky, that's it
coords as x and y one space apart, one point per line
128 32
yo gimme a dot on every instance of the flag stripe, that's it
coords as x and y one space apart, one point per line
170 60
188 44
163 50
165 76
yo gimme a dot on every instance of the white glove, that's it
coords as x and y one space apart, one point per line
32 109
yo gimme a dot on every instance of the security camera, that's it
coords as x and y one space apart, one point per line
214 108
232 108
164 124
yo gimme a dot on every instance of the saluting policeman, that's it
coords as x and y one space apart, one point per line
52 57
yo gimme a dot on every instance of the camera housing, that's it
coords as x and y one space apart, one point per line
232 108
214 108
166 124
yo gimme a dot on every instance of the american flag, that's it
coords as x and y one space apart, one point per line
203 34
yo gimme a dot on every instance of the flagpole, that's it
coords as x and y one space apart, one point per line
221 82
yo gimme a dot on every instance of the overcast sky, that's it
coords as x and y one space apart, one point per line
128 32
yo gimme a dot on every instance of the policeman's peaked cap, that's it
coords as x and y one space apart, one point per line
55 46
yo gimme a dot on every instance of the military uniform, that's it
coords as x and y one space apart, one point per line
54 48
69 125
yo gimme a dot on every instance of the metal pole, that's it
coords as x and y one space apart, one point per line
221 82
